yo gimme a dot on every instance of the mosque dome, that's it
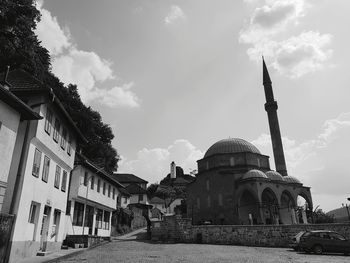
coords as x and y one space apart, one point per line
274 176
231 145
291 179
254 174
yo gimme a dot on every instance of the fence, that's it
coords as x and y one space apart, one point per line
6 224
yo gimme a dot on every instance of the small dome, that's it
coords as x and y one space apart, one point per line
274 176
231 145
254 174
291 179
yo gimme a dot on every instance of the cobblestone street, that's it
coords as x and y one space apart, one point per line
133 250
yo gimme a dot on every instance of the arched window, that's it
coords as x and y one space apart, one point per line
232 161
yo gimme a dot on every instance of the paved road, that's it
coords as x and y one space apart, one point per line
132 250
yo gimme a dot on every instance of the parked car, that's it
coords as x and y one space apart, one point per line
320 241
296 240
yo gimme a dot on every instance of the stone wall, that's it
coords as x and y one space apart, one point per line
177 229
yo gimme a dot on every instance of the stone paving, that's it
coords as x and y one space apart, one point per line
133 249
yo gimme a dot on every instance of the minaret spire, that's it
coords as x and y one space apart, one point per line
271 109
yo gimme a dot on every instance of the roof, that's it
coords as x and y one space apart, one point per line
291 179
123 191
82 160
231 145
20 81
13 101
274 176
135 189
254 174
156 200
128 178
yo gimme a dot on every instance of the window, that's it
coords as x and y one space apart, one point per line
258 162
69 147
106 217
64 181
336 236
98 185
64 139
198 203
118 200
46 169
36 164
209 201
32 213
140 198
104 188
125 200
113 193
57 177
99 216
220 199
56 132
208 184
89 216
48 121
78 214
86 176
109 190
92 183
232 161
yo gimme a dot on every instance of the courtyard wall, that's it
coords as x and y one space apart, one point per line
177 229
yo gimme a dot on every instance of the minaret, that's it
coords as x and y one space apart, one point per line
271 108
173 170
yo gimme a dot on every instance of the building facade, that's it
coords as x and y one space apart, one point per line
40 169
12 112
93 197
235 185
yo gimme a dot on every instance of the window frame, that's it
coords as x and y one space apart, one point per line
78 214
32 213
48 121
63 139
46 169
64 181
57 177
37 158
56 131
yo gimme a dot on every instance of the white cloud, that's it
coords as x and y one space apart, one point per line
154 164
120 96
85 69
53 37
321 163
295 55
175 15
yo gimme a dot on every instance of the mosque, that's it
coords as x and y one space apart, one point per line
235 184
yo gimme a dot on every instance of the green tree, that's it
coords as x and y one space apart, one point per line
20 48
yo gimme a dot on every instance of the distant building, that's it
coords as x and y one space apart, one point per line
235 184
340 215
13 111
40 170
127 179
93 197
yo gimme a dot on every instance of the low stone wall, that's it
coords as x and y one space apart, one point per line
176 229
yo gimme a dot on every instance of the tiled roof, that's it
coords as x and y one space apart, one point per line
128 178
135 189
10 99
156 200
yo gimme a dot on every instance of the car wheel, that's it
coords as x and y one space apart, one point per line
318 249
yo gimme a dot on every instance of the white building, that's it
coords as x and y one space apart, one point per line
12 112
39 172
93 196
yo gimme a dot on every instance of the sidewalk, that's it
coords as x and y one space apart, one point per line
51 257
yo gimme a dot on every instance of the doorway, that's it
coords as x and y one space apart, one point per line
45 228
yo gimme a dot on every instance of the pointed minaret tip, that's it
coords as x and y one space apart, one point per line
266 76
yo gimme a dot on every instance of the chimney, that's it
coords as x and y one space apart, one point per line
173 170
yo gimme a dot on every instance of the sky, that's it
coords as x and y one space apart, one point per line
173 77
